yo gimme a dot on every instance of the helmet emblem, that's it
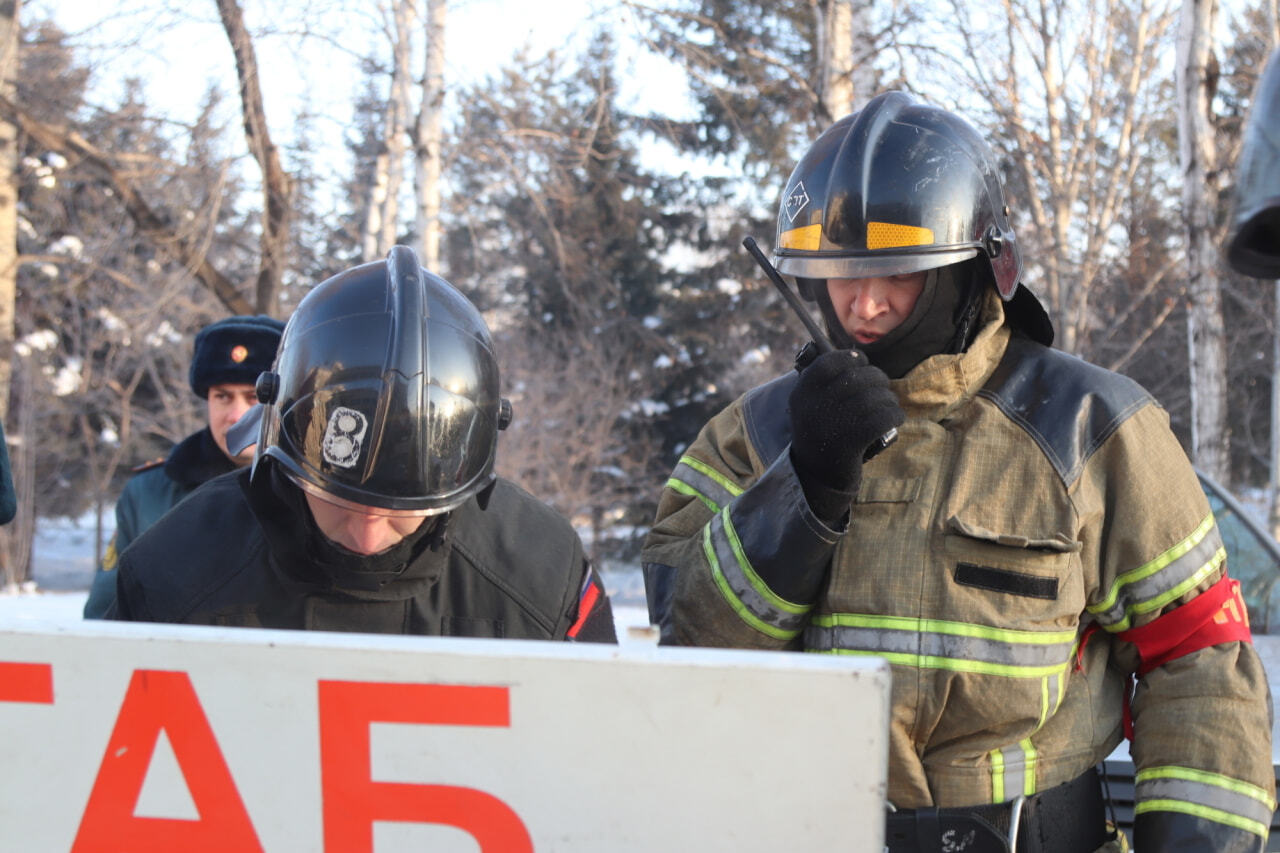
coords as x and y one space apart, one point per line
797 201
342 437
239 353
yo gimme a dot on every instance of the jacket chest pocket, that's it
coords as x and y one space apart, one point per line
1025 574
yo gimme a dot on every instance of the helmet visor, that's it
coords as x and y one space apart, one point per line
868 265
396 432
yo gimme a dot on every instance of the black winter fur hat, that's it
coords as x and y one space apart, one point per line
234 350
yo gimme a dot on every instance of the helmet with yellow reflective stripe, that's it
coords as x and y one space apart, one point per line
898 187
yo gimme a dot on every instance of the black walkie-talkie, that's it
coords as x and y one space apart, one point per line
820 341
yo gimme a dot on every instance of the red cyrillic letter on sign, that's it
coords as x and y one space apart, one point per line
26 682
159 700
353 800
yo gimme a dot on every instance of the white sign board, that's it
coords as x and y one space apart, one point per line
117 737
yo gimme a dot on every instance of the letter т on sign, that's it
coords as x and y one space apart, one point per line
121 738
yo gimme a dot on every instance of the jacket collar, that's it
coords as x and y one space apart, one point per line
197 459
307 561
940 384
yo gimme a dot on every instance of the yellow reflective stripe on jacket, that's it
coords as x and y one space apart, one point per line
1050 696
742 588
1211 796
1013 771
1166 578
699 480
1013 767
938 644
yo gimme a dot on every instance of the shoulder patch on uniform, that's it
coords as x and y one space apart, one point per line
764 409
147 466
112 557
1067 405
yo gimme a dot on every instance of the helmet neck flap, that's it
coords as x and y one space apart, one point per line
304 556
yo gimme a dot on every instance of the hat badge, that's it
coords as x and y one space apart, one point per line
239 353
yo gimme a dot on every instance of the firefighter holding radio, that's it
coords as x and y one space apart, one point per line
1033 554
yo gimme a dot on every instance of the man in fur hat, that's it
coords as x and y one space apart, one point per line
228 357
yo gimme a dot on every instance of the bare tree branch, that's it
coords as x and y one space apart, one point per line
276 185
155 227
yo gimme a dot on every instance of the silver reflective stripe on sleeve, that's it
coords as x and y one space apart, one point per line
699 480
1168 577
742 588
1210 796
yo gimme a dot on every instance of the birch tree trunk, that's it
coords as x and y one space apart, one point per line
11 570
1210 433
19 536
862 75
1273 15
375 207
844 77
276 186
1273 483
835 57
428 138
383 215
1073 139
9 16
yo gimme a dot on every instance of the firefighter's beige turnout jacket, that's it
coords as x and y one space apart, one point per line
1029 496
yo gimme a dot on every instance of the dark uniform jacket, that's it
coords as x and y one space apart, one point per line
8 497
515 569
152 491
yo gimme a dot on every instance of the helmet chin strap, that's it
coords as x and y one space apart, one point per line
482 496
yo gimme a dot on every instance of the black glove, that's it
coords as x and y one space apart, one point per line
840 407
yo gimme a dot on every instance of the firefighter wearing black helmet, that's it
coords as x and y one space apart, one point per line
1033 541
372 504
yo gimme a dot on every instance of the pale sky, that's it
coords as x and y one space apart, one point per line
178 48
178 53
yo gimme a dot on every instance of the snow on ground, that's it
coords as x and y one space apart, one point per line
59 608
62 556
